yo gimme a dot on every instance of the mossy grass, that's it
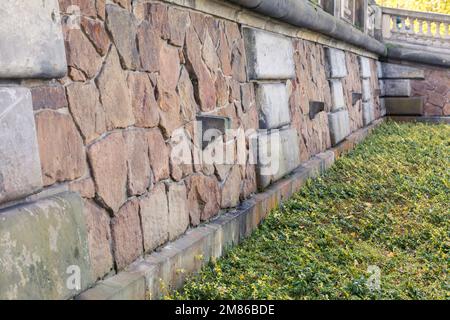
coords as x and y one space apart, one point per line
386 204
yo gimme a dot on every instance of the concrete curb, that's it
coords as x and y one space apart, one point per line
167 269
423 119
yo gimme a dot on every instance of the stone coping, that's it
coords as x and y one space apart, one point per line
167 269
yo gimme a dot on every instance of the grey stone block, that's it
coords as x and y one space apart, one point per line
339 124
40 244
278 155
336 63
364 67
31 40
396 88
404 106
382 107
273 104
397 71
20 168
379 70
337 95
368 113
366 90
269 56
382 89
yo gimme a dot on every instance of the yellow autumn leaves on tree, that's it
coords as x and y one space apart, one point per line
437 6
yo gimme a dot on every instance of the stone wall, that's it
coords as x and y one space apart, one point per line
436 89
139 77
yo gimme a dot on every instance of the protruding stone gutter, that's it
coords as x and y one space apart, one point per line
167 269
302 13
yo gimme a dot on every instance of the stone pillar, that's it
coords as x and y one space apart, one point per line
338 118
270 60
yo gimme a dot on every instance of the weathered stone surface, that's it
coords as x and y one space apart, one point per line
124 3
114 93
269 56
122 27
404 106
40 244
60 147
109 168
85 107
185 90
49 97
368 113
149 43
248 97
84 187
99 238
203 198
364 67
168 99
138 163
278 154
145 108
86 7
205 88
96 32
231 189
339 124
159 155
81 54
20 168
155 217
31 40
178 22
178 209
337 95
397 71
366 90
273 104
397 88
336 63
127 234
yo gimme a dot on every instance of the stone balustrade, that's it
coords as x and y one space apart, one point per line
413 27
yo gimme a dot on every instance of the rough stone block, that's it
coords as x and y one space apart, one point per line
364 67
339 124
404 106
336 64
43 247
397 71
337 95
368 113
396 88
20 168
278 155
155 218
178 209
382 89
269 56
366 90
273 103
31 40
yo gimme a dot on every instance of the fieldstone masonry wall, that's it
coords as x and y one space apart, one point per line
139 73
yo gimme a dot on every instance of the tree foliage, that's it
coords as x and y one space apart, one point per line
437 6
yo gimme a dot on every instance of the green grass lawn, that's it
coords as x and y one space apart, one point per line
386 204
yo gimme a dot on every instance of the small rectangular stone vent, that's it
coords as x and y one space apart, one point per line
356 96
315 107
212 126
